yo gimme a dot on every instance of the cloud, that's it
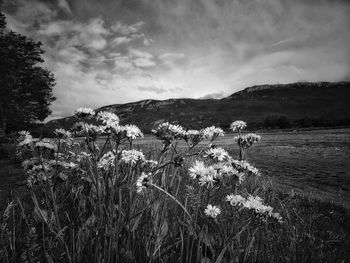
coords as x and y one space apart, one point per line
105 52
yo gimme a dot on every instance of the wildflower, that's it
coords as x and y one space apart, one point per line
247 140
46 143
212 211
39 173
84 113
216 153
142 182
197 170
93 131
212 133
255 203
132 131
63 134
209 178
25 138
63 164
238 125
244 166
235 199
168 132
132 156
106 161
108 118
225 169
83 155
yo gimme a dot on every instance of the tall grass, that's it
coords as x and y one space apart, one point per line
107 202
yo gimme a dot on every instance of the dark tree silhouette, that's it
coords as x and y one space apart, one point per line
25 87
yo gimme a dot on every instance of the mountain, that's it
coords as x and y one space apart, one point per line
299 104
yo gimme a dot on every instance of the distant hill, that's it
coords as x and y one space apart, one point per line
301 104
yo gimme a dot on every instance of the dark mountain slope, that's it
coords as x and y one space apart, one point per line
298 104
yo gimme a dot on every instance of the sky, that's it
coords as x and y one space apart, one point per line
117 51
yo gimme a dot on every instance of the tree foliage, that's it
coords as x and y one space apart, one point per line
25 86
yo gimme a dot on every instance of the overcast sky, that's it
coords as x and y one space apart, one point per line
112 51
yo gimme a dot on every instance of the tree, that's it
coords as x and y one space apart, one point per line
25 87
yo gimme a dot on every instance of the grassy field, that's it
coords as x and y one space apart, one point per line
312 163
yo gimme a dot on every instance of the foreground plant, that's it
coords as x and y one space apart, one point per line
97 199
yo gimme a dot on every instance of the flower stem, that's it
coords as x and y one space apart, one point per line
172 197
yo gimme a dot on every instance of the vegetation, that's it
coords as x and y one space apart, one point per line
25 87
93 202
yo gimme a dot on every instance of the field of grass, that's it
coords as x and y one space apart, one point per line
312 163
304 177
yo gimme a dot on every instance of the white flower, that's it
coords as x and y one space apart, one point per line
106 161
46 143
256 204
108 118
169 132
235 199
84 112
238 125
142 182
27 140
225 169
247 140
132 131
217 153
132 156
212 132
212 211
208 178
62 133
192 132
245 166
198 169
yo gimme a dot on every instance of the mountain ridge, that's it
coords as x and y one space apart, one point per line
327 102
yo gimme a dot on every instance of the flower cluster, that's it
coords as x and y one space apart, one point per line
106 161
218 154
142 182
253 203
62 134
244 166
110 119
45 144
39 173
212 132
247 140
212 211
132 156
132 131
25 138
169 132
238 125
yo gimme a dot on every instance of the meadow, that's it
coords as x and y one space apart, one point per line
179 196
313 163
